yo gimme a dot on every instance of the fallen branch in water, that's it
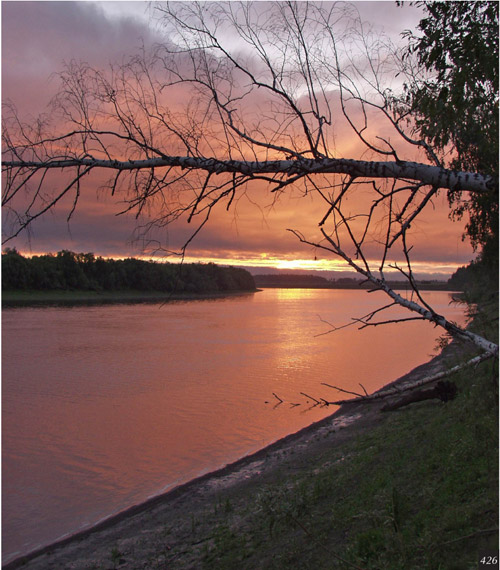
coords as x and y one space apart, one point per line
345 391
398 390
278 398
311 398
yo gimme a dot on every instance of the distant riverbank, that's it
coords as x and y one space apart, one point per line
68 277
299 281
66 298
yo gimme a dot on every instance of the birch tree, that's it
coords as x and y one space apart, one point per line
243 94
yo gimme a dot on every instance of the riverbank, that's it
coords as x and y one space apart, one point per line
416 488
68 298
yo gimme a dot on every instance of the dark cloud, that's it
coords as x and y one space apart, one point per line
42 35
38 38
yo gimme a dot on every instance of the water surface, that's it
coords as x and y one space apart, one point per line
106 406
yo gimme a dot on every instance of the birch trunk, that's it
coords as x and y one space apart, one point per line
424 173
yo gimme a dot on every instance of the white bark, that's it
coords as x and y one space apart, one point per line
414 171
424 310
457 332
397 390
279 102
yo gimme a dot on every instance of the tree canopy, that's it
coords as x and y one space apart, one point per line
67 270
455 105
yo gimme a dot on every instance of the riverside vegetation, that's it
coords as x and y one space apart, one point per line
72 276
299 281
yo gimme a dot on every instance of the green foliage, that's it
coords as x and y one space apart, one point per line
457 106
115 557
479 279
85 272
419 491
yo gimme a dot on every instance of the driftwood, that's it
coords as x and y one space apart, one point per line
407 393
444 390
398 390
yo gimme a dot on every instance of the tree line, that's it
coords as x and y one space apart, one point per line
479 279
67 270
318 282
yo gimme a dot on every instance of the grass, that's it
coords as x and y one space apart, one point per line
418 492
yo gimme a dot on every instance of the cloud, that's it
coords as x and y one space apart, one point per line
386 15
246 232
38 37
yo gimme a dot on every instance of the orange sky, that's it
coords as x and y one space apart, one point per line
38 36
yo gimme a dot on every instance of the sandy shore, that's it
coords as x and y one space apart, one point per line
163 525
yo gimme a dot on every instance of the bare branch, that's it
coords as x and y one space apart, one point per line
191 125
397 390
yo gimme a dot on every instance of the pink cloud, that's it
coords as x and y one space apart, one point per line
38 37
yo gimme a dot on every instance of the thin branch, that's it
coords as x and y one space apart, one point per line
397 390
342 390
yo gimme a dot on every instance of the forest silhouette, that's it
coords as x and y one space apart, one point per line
67 270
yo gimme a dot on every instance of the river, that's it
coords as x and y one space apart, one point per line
106 406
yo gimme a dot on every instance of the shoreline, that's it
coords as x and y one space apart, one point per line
20 299
81 549
77 298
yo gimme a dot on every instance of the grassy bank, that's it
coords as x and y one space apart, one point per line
413 489
419 491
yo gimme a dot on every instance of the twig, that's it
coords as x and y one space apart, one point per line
342 390
474 534
310 397
364 389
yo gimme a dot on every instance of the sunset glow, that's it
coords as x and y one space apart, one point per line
235 234
253 232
